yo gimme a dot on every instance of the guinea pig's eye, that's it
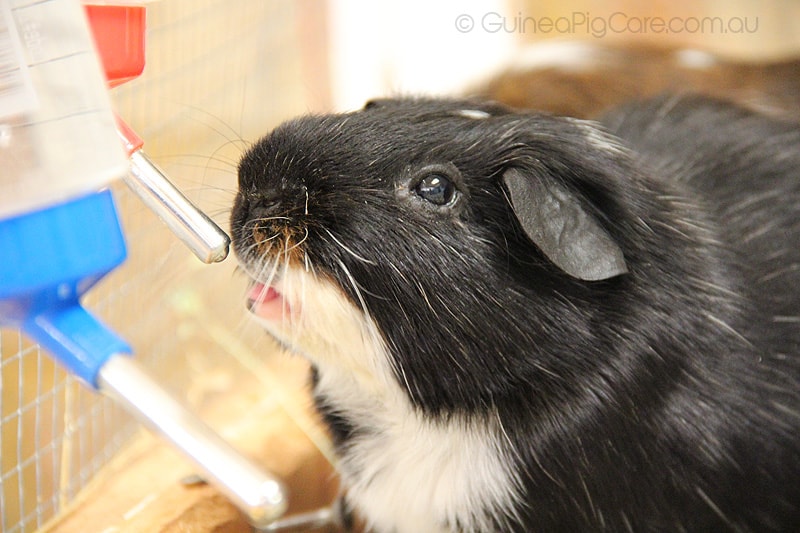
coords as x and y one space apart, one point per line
436 189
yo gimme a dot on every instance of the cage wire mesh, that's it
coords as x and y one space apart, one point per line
207 62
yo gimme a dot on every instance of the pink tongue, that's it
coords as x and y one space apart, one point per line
265 302
259 293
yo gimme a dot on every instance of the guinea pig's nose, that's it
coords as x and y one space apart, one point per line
262 210
264 206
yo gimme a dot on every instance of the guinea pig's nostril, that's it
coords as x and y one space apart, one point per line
259 211
264 207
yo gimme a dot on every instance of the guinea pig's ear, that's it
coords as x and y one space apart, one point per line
554 219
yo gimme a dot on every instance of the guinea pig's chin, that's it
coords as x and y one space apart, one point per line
312 316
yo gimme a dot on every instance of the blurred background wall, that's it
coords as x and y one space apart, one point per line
434 47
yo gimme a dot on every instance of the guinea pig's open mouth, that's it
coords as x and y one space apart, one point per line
267 302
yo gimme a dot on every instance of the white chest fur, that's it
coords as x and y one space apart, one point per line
408 474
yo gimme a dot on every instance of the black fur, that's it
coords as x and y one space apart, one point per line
664 399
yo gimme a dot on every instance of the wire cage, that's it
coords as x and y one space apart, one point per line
207 62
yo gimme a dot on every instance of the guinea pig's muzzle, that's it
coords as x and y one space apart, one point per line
271 230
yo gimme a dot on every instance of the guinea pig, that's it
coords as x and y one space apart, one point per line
522 322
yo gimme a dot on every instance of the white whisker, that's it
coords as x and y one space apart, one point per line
348 250
300 242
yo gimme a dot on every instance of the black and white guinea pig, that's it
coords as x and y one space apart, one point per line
520 322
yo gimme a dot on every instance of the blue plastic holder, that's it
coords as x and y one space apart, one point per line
49 259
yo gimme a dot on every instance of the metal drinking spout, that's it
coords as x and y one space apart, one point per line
261 496
196 230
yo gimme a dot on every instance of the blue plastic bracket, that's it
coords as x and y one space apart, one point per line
49 259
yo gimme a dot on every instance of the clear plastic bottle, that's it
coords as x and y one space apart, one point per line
57 132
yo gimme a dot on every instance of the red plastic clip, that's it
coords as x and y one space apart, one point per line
119 33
